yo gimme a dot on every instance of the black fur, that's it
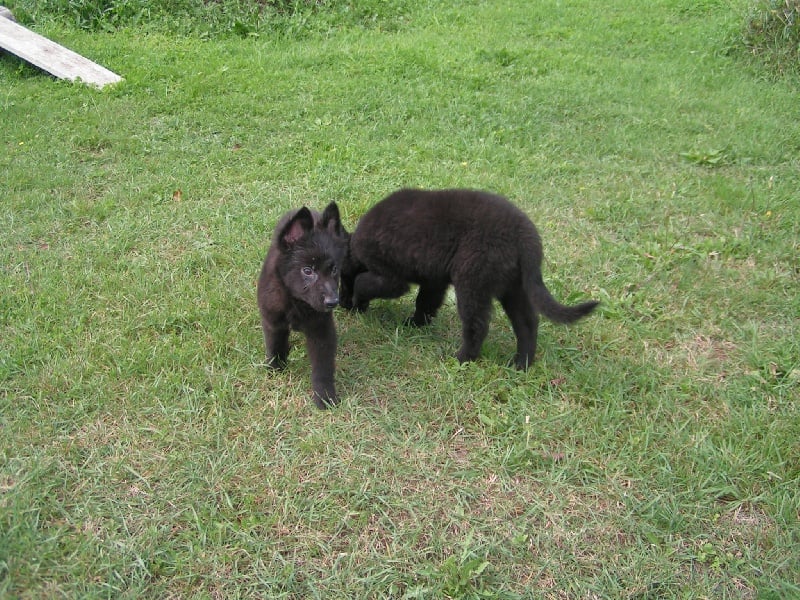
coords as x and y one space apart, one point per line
477 241
299 288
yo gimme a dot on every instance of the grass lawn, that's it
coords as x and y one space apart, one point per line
651 451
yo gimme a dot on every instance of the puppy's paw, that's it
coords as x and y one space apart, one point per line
324 402
416 320
276 363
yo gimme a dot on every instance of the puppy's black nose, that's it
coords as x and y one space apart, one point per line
331 302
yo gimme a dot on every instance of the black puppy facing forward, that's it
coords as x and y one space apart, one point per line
298 289
479 242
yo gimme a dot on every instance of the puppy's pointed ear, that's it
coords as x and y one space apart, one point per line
298 226
331 220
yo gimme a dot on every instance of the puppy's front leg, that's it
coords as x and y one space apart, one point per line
321 349
276 341
369 285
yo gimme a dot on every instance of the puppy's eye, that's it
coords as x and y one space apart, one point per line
308 271
335 271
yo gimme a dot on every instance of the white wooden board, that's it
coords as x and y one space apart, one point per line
52 57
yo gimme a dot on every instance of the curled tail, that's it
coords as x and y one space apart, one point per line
544 303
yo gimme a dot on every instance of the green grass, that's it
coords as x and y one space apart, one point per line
212 18
771 36
651 451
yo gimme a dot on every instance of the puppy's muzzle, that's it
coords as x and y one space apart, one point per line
331 302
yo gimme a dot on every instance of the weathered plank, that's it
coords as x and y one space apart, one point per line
51 57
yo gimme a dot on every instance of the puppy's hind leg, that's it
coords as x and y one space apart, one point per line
525 323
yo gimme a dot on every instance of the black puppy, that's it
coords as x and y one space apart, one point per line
477 241
299 288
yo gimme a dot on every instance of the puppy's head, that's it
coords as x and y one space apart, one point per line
313 254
